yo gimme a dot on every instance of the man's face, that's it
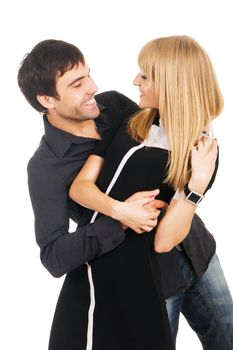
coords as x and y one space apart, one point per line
76 91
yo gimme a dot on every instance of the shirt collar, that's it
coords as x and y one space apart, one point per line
60 141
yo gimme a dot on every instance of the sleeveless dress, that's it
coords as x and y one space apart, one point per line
117 300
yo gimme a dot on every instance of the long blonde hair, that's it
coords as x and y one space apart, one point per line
188 94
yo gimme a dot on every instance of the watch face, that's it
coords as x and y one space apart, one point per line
194 197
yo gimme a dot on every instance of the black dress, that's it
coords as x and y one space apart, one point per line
120 305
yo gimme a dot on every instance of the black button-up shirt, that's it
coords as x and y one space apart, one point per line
51 171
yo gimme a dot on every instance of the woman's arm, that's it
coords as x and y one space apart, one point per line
175 225
135 213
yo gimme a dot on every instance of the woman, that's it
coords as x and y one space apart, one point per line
166 151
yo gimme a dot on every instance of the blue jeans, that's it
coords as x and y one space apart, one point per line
207 305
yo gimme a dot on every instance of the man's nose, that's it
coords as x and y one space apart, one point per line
92 87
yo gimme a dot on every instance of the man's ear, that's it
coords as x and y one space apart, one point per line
46 101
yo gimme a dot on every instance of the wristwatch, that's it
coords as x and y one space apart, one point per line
192 196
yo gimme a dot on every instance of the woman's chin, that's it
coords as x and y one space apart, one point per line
142 105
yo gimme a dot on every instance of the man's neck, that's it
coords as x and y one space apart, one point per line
86 128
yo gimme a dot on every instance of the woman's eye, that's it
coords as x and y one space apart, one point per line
143 76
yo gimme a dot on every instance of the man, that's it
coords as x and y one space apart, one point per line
64 93
56 81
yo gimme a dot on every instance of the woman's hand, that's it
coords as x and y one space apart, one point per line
203 160
140 211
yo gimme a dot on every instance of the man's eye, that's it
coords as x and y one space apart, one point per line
76 86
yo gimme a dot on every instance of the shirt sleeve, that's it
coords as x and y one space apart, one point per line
60 250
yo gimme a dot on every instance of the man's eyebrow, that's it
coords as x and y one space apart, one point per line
79 78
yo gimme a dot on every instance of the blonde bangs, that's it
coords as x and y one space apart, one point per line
139 125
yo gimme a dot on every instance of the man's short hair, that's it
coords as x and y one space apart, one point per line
40 68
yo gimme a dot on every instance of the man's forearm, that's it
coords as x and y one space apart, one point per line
71 250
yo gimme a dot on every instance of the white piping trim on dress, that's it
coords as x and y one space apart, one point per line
91 309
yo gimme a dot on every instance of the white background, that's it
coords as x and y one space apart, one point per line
110 33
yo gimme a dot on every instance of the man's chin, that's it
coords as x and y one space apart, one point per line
91 113
95 114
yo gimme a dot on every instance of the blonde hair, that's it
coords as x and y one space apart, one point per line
188 94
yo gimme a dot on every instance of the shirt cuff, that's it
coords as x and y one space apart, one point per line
177 195
109 233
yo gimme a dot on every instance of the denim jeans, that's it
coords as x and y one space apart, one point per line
207 305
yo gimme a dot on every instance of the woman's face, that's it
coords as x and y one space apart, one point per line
148 98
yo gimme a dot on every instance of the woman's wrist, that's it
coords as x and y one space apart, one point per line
116 209
197 185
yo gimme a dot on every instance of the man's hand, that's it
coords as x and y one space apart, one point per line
140 211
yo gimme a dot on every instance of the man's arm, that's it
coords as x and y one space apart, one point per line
62 251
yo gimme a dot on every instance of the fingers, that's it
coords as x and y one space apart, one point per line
143 194
145 201
144 228
150 194
214 145
206 143
202 143
156 204
138 230
214 150
152 215
206 149
211 147
149 224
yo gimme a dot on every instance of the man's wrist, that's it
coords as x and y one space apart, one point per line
108 232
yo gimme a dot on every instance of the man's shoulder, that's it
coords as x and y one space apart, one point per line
41 156
46 172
